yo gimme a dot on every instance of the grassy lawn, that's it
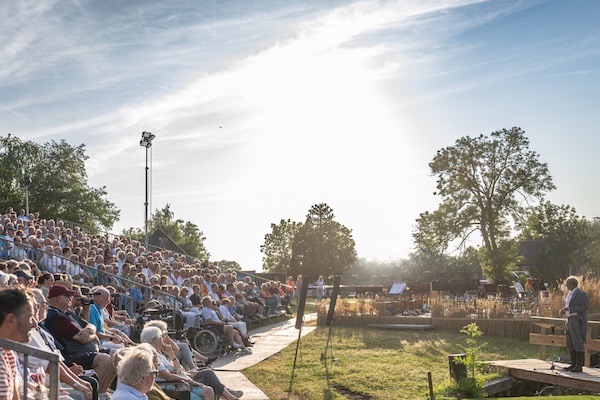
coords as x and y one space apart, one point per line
373 364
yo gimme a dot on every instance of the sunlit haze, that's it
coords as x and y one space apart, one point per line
262 109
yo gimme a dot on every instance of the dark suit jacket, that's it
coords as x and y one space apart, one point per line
579 304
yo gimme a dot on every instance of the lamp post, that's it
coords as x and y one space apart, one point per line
26 183
146 142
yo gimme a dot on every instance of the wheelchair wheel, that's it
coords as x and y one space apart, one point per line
206 342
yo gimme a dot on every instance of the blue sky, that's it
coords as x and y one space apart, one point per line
262 109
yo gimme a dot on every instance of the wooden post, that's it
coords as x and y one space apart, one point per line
430 381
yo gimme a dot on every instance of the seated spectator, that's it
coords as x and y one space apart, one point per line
271 300
97 312
168 366
101 278
23 278
187 356
48 262
155 393
79 339
77 387
215 292
229 319
18 250
211 317
135 373
136 294
17 319
196 296
186 303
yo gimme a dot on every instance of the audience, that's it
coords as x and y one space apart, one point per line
63 262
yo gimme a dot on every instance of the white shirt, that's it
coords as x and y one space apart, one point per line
567 301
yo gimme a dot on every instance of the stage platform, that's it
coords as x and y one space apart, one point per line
540 371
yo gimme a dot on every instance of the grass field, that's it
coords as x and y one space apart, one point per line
373 364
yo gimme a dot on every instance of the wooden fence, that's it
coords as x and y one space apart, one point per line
508 328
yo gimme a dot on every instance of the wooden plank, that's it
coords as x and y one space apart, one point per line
592 344
499 385
563 320
550 326
547 340
540 371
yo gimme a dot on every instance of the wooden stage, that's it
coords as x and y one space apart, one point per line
539 371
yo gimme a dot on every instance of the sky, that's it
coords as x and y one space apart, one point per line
262 108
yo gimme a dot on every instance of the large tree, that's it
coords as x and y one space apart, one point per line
484 183
59 187
185 234
566 242
277 248
322 246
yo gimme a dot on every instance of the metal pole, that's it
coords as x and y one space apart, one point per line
27 200
146 203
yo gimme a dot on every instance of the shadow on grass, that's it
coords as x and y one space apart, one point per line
372 338
328 394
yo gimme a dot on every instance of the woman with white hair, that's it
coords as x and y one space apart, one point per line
135 373
167 369
170 369
184 353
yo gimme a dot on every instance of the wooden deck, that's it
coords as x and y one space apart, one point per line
539 371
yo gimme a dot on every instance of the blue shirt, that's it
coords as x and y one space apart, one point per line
96 319
126 392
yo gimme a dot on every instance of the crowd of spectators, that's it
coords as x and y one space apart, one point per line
84 291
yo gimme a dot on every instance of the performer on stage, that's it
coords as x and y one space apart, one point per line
576 306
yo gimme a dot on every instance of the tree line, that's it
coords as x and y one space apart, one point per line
492 203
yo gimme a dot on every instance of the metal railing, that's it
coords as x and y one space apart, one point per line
56 264
110 236
89 229
29 351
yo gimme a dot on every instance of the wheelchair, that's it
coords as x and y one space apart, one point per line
202 337
206 340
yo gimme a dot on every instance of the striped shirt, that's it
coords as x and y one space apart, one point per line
8 374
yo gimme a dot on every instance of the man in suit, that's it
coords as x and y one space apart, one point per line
576 306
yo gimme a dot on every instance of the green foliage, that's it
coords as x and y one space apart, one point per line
233 265
506 259
322 246
472 347
186 234
483 182
467 388
59 187
566 243
277 248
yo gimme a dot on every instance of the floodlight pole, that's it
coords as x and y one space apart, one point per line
26 183
146 142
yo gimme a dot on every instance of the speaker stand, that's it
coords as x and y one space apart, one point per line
295 358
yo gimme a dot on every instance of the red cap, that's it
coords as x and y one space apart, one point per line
58 290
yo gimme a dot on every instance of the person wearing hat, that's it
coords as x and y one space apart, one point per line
24 278
80 342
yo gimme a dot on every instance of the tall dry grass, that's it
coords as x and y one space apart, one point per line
546 303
